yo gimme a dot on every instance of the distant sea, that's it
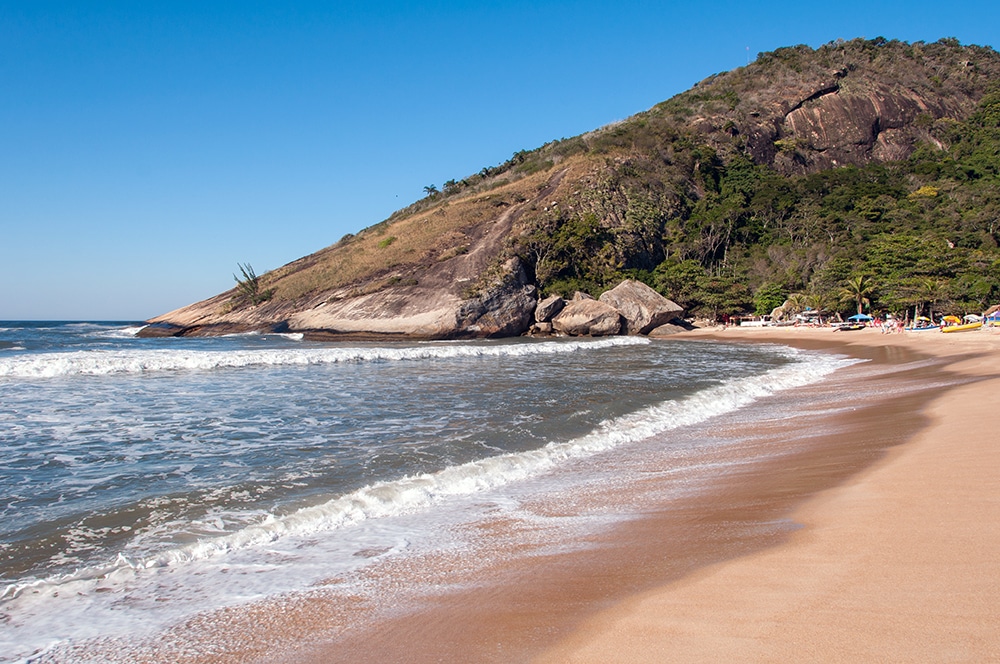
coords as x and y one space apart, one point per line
143 481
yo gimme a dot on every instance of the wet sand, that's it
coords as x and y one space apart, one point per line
899 563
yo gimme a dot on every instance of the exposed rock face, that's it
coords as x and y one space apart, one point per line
837 128
641 306
402 312
853 104
779 312
504 310
541 328
548 308
588 318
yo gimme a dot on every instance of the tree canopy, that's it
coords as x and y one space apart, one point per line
886 237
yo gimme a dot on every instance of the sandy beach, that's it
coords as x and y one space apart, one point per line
896 564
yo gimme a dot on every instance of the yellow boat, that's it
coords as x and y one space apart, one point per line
963 328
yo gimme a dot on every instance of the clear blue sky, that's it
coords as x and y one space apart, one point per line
147 147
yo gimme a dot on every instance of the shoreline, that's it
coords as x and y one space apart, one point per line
896 563
582 607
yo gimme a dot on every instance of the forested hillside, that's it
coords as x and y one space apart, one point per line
723 230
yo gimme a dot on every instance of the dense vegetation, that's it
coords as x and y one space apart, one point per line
924 231
722 234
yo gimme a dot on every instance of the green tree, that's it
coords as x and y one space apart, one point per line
823 302
678 280
767 297
722 295
796 303
858 289
928 292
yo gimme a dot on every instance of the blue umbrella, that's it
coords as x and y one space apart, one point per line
864 317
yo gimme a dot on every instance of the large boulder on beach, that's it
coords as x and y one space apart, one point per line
642 307
669 329
588 318
548 308
503 309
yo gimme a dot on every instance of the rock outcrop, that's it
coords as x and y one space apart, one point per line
588 317
670 329
462 286
642 307
548 308
838 106
505 309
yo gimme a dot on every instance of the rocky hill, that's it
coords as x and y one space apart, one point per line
769 179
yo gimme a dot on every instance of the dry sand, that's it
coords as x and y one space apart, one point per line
900 563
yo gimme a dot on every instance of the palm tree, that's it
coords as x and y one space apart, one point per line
819 302
929 292
857 290
430 190
796 303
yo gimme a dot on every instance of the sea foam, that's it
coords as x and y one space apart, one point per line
137 361
419 492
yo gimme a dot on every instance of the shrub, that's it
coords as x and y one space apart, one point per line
248 288
926 191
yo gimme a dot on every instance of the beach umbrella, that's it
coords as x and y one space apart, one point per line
952 319
864 317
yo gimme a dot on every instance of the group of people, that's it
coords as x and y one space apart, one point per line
890 325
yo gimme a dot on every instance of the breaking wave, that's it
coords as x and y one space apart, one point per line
418 492
138 361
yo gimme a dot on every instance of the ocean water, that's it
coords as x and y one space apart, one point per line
144 481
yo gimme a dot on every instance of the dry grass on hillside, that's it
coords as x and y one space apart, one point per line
389 248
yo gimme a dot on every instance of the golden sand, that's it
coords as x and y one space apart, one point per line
901 563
